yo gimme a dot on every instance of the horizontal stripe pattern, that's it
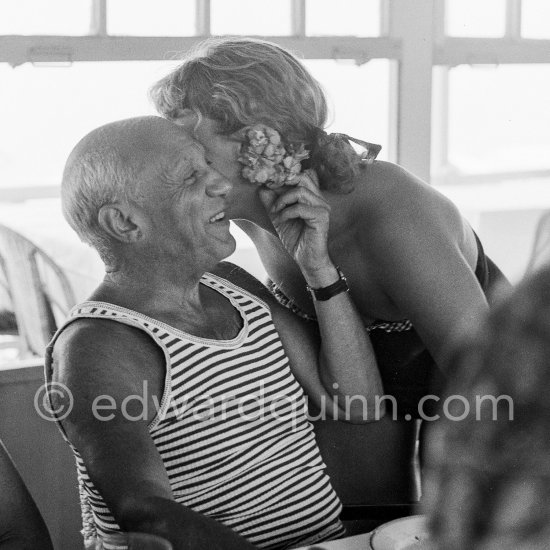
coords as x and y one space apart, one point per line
232 432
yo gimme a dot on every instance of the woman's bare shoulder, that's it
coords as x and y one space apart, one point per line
390 192
391 205
385 181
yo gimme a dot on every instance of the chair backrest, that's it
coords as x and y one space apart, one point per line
21 524
540 253
373 468
371 464
40 292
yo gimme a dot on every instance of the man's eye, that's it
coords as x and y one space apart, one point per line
191 178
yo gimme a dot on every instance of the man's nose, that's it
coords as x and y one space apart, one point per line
218 185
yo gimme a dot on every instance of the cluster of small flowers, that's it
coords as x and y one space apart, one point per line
266 160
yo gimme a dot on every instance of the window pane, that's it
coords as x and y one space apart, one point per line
64 17
475 17
45 111
250 17
345 17
535 19
499 118
151 17
35 142
358 98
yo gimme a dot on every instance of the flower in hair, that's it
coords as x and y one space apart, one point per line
266 160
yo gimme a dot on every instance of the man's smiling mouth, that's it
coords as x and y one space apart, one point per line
218 217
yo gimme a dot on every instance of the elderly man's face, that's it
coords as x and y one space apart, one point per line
183 198
223 151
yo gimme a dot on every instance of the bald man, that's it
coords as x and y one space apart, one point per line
189 382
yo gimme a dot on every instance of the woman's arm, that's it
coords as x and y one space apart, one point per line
21 525
347 366
304 347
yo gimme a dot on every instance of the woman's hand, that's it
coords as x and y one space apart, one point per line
300 215
346 364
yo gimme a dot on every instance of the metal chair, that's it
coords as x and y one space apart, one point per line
39 291
373 468
540 253
21 524
8 324
144 541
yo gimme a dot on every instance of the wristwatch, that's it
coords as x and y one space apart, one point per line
327 292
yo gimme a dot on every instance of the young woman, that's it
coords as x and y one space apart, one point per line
416 270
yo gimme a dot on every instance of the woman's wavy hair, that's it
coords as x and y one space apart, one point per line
244 81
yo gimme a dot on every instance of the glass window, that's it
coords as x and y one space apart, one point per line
250 17
499 119
474 18
151 17
535 19
64 17
45 111
359 98
345 17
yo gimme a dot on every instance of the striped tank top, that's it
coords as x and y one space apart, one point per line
231 429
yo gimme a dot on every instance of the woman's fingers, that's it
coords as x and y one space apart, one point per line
308 179
312 176
267 197
304 212
294 195
288 194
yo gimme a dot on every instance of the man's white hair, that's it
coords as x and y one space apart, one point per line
96 174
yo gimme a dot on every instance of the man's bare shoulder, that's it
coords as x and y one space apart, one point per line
89 347
85 335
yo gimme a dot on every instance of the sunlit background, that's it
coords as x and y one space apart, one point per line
457 91
495 116
473 120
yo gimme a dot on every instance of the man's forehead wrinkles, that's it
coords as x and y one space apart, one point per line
172 157
178 163
185 144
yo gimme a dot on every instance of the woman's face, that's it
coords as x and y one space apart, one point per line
223 151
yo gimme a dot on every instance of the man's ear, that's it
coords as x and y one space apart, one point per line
119 222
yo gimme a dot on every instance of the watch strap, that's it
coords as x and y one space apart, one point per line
327 292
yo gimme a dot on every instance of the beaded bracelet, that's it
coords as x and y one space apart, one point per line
327 292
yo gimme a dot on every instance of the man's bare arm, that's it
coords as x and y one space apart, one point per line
96 358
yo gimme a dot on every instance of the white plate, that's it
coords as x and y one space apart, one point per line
408 533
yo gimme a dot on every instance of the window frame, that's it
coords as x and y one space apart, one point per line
417 49
450 52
